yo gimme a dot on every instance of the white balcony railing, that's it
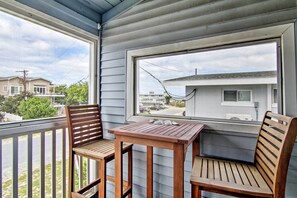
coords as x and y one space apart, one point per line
34 159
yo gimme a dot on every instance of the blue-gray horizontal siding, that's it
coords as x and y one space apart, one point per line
159 22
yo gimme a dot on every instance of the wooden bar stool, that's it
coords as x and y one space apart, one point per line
266 177
86 139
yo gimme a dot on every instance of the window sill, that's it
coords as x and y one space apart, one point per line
239 127
238 104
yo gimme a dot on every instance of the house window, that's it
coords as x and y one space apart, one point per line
5 88
39 90
230 96
244 96
237 96
14 90
190 83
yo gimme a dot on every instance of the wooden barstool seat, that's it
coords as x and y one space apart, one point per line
266 177
237 177
99 150
86 139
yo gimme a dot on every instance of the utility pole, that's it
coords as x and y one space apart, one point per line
24 81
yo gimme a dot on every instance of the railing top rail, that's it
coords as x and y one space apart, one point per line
23 127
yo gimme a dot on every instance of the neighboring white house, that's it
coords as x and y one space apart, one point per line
152 99
238 96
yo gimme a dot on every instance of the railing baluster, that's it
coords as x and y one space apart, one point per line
88 171
42 164
64 190
29 164
54 163
80 160
15 167
0 167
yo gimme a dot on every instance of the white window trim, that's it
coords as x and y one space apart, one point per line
284 32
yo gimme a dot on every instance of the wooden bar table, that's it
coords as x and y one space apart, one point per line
176 138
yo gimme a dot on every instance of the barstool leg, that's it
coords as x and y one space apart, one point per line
196 192
130 169
71 174
102 175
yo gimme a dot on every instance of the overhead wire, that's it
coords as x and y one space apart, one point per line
173 96
160 66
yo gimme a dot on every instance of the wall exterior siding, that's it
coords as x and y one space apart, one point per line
212 96
159 22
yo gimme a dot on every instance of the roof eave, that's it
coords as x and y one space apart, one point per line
239 81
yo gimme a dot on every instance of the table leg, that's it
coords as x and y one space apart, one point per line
118 168
149 167
196 152
195 148
130 171
178 170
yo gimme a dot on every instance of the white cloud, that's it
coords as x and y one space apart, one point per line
249 58
44 52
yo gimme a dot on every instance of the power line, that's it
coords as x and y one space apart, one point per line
160 66
176 97
81 80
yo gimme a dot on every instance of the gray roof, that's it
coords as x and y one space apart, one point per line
28 78
259 74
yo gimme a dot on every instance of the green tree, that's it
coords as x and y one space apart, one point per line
167 99
10 104
2 99
36 107
77 93
62 89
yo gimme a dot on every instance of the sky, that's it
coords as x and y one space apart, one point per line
44 52
260 57
65 60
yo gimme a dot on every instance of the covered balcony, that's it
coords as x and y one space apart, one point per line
123 35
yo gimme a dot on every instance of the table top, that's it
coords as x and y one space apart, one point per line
185 133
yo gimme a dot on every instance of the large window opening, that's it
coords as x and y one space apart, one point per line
41 71
238 82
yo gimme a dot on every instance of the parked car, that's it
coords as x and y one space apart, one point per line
155 108
143 109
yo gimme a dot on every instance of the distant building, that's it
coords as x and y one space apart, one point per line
10 86
152 99
238 96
